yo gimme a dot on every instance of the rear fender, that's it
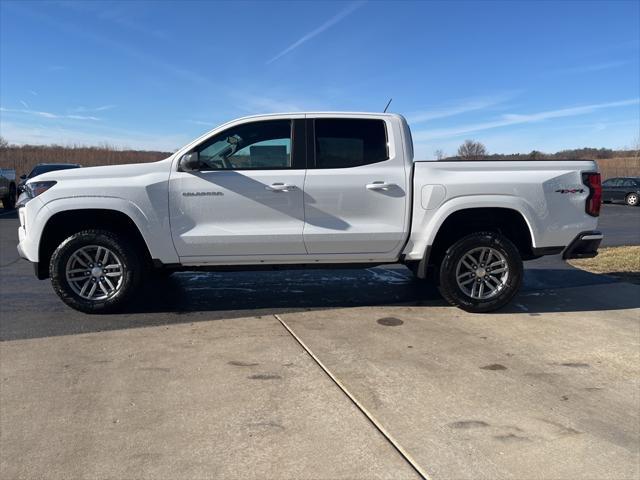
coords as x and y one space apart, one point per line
427 223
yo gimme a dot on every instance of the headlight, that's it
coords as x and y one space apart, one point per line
34 189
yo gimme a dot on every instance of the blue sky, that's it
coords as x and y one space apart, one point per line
515 75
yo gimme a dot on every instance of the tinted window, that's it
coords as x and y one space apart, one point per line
343 143
628 183
257 145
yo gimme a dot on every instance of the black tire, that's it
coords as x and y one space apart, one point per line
120 245
632 199
9 201
454 293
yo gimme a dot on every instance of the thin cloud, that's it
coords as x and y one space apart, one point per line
325 26
50 115
33 92
24 104
462 106
21 134
109 42
254 104
119 13
591 68
200 122
101 108
516 119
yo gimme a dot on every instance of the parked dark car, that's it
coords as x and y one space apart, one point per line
622 189
44 168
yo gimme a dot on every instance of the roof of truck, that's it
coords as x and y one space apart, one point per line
336 113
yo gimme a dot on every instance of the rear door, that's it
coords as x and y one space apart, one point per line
247 198
356 188
617 192
628 186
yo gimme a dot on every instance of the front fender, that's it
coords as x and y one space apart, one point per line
153 225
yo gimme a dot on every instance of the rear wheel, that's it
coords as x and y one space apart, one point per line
632 199
95 271
481 272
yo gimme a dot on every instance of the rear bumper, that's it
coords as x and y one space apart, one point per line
585 245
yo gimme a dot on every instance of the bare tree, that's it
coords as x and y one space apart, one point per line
471 150
3 143
439 154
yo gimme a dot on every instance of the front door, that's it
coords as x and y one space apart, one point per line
247 197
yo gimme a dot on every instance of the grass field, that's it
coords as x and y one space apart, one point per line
619 167
619 262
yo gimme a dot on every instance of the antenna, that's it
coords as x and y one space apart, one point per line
388 103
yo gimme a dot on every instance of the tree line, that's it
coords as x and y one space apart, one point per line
474 150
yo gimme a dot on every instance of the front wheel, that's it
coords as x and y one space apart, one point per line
95 271
632 199
481 272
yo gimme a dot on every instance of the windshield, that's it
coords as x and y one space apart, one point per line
40 169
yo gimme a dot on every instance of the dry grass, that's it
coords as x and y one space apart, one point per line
619 167
24 158
619 262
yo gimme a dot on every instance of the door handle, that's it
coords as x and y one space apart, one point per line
280 187
379 186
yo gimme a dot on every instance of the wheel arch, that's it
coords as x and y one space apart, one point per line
458 222
62 224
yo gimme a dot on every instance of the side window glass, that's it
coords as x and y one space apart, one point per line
254 146
628 183
607 183
344 143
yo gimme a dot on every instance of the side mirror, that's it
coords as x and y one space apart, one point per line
190 162
23 177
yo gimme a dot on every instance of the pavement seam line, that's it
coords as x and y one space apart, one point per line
394 443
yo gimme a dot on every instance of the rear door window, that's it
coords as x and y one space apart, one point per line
345 143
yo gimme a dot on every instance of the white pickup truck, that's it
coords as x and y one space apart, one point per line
307 190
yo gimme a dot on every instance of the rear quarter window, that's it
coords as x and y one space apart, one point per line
345 143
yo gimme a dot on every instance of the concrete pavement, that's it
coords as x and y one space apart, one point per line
550 390
220 399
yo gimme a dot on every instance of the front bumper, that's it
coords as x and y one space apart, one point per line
585 245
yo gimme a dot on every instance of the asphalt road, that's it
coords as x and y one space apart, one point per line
620 225
214 385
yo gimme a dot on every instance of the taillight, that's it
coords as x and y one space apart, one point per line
594 200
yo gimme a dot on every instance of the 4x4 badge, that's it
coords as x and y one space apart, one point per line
570 190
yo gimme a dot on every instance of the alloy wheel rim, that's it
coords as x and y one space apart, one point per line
633 199
482 273
94 272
